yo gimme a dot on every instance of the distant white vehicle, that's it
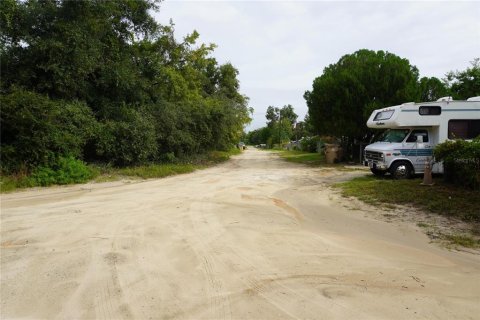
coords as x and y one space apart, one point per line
414 129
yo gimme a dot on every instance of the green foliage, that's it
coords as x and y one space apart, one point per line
44 176
178 166
461 160
274 115
281 131
344 96
127 141
431 89
287 112
212 157
463 240
310 144
258 136
67 170
12 182
303 128
169 157
304 157
72 49
221 156
465 84
157 171
102 81
36 130
280 127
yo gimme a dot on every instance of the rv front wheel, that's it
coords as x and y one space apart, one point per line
401 170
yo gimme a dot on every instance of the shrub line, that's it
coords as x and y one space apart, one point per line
71 171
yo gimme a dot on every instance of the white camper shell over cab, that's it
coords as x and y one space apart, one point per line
414 129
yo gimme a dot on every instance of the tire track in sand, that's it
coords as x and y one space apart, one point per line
219 301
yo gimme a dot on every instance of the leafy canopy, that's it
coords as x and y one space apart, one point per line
465 84
70 66
347 92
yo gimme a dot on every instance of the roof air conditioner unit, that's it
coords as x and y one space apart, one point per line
474 99
445 99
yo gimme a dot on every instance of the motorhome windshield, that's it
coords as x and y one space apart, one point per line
393 135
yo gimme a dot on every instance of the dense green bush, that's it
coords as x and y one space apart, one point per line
259 136
67 170
128 141
174 127
461 160
36 130
310 143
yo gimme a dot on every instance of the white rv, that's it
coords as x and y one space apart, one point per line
414 129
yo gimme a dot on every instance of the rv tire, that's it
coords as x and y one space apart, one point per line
401 170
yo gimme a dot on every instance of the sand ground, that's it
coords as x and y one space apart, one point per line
254 238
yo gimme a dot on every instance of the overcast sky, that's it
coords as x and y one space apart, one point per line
279 47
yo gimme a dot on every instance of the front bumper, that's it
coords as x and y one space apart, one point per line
375 160
375 165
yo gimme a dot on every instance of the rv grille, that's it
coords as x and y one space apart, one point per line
372 155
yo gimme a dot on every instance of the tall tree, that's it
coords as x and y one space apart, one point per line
345 94
286 112
465 84
272 115
431 89
281 123
275 114
74 49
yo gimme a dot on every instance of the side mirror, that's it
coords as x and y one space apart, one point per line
420 139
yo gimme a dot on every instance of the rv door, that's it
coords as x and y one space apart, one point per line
418 148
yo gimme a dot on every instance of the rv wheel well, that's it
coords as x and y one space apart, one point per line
407 161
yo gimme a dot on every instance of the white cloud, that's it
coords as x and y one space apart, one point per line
280 47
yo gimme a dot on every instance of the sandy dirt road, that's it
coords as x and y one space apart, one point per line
254 238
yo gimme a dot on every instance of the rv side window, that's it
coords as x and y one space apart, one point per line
463 129
430 110
383 115
415 133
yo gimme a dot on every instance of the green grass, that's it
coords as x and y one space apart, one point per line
462 240
441 198
157 170
303 157
310 159
313 159
13 182
423 225
105 173
108 174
